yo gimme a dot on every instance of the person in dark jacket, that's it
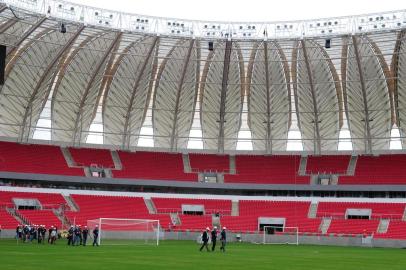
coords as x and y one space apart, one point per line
96 236
49 234
33 233
19 232
85 233
40 235
70 235
43 232
223 239
77 235
80 235
213 238
205 239
26 233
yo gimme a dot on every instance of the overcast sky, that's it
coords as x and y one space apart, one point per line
247 10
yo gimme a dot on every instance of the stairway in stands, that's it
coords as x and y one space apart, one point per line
313 210
325 224
13 212
351 165
150 205
302 166
383 225
235 208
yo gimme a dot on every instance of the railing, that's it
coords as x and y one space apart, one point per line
211 171
66 12
44 206
166 210
373 216
318 172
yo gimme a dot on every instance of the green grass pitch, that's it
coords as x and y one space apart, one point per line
181 255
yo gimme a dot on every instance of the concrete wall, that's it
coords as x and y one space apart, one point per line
250 238
202 195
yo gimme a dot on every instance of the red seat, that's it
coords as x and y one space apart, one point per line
267 170
379 210
353 226
167 205
327 164
154 166
41 217
35 158
380 170
7 221
209 163
88 157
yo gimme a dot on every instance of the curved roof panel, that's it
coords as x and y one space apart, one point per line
172 82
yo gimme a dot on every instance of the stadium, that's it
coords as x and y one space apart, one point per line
136 133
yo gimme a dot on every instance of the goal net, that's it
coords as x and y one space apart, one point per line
121 231
280 235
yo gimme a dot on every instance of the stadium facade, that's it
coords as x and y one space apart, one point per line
285 112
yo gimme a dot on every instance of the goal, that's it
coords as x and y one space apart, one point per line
280 235
122 231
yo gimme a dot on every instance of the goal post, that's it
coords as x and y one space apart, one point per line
124 231
280 235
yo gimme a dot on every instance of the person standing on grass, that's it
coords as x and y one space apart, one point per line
96 236
70 235
205 239
26 232
43 232
213 238
80 235
76 235
40 228
223 239
33 233
85 233
49 234
53 235
19 232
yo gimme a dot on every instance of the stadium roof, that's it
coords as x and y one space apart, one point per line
131 81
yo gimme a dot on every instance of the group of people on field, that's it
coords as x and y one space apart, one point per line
31 233
207 236
78 236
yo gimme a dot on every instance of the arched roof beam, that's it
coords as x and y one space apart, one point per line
40 83
395 73
89 86
7 25
25 36
126 136
178 94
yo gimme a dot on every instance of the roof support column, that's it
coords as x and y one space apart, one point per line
180 86
224 86
367 140
317 140
268 144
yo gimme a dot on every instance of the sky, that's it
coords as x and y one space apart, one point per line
248 10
